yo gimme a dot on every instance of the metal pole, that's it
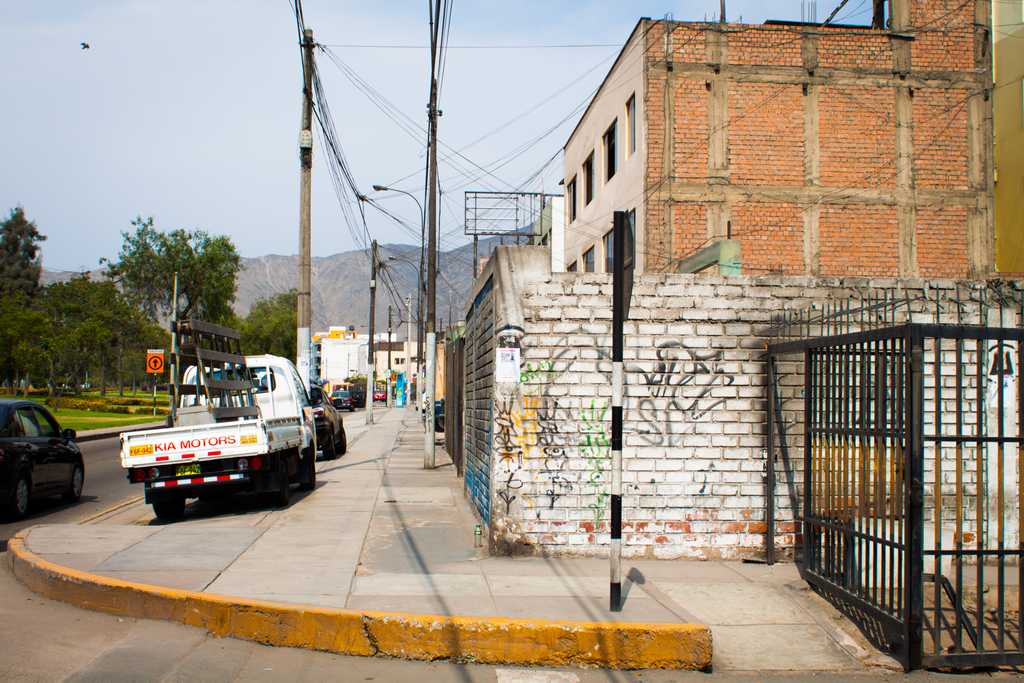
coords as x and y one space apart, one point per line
428 432
174 353
618 331
371 373
428 445
476 256
408 351
306 170
388 395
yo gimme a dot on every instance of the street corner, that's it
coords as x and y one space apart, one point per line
492 640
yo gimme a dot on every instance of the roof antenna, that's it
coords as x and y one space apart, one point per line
721 14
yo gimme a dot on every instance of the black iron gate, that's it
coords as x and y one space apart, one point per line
911 505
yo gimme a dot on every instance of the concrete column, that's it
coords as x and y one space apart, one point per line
812 156
718 136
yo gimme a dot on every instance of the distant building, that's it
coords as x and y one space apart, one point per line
340 353
1008 117
816 149
550 231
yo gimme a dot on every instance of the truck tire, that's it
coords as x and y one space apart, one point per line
169 509
308 482
284 492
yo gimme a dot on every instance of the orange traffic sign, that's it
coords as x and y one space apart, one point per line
155 361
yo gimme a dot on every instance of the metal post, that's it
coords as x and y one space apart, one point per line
914 482
388 395
618 332
306 169
174 352
476 256
770 466
371 373
429 456
408 352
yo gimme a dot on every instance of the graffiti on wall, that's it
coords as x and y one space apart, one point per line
595 446
682 384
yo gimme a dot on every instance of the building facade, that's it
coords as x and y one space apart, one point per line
1008 107
821 150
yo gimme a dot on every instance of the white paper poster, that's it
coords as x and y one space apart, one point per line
507 366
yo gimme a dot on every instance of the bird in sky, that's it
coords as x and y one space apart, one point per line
85 46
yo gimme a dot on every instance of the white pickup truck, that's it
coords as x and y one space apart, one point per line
201 458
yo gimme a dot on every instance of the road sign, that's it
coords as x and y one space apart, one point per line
155 361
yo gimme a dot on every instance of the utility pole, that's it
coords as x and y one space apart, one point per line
389 403
305 177
428 438
409 396
371 374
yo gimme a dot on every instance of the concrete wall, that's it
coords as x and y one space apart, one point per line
625 190
538 450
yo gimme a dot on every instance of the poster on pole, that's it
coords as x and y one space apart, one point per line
506 367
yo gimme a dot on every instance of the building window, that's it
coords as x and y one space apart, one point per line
588 261
571 268
571 192
631 125
610 136
609 251
588 180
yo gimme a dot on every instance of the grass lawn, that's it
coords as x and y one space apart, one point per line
80 420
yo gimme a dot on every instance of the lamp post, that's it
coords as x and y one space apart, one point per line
420 384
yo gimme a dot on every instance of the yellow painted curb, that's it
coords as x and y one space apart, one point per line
490 640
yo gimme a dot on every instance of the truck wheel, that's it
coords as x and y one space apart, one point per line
309 470
169 509
284 492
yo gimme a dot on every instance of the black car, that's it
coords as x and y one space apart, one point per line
330 428
36 458
342 400
358 396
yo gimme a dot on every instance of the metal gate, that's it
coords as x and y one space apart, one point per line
911 505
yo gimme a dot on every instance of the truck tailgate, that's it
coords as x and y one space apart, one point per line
199 442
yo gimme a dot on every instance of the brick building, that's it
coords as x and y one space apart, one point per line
790 139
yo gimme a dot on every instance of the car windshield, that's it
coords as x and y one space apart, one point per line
341 394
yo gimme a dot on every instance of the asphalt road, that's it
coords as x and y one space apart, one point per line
105 486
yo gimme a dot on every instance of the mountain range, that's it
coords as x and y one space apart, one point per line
341 293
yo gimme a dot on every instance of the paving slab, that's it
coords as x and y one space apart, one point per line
778 647
735 603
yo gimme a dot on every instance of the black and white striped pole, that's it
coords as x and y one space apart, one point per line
622 289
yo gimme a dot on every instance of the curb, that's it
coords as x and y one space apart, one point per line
111 432
486 640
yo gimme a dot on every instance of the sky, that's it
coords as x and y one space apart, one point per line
189 111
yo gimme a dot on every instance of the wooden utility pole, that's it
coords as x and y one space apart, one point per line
305 177
371 374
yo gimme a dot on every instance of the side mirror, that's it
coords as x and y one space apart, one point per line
316 396
69 434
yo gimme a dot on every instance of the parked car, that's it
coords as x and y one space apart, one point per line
380 395
330 428
342 400
37 458
358 396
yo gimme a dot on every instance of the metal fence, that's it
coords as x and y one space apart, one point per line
910 505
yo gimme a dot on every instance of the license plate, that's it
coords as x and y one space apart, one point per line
144 449
187 470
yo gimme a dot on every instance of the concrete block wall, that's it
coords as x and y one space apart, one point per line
694 432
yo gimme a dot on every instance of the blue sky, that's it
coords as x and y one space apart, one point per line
189 110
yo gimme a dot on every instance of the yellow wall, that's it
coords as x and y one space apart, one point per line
1008 25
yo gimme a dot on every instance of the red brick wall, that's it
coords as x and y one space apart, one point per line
941 241
766 134
856 145
858 240
772 236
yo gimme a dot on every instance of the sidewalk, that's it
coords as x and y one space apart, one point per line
381 533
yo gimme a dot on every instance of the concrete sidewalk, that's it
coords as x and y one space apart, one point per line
382 533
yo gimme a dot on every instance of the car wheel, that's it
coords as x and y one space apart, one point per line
344 443
169 509
284 492
74 491
309 475
17 504
330 449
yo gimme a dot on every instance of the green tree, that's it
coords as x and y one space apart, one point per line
207 268
19 254
271 325
20 328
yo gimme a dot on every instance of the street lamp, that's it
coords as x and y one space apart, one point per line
419 294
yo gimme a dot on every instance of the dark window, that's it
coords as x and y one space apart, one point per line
631 124
571 268
588 261
571 196
609 251
8 427
610 136
47 427
27 422
588 179
263 379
